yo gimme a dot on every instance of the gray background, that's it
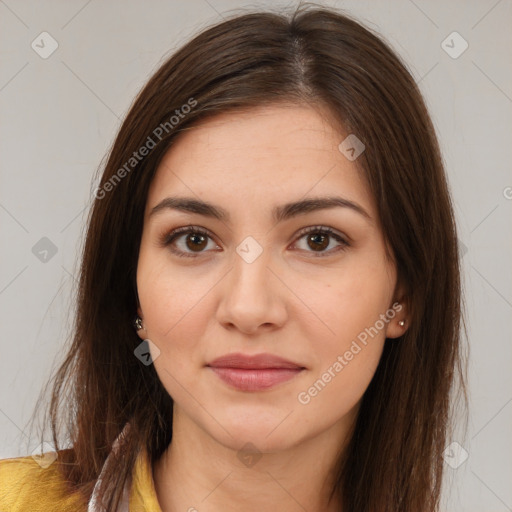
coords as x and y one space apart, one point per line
60 115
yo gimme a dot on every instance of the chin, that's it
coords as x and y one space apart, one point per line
267 434
258 441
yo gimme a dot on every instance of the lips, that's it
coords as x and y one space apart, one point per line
255 362
254 373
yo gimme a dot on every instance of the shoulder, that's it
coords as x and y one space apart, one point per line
37 484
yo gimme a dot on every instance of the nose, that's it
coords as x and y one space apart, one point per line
252 297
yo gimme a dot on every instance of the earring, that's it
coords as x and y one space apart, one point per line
138 323
401 323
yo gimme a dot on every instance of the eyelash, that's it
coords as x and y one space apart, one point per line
168 238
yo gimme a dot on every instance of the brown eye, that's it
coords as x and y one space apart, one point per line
318 241
319 238
188 240
192 241
195 241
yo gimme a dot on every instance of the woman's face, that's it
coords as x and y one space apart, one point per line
264 278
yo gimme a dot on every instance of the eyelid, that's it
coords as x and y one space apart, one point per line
342 239
168 238
323 229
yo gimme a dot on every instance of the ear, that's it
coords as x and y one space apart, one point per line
398 324
141 333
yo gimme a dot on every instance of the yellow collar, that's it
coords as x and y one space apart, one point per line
139 492
143 496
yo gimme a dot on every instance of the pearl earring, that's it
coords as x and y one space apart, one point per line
401 323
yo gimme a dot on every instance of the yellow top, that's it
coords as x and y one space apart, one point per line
27 484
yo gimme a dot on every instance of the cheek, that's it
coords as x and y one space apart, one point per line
173 302
175 309
348 341
346 303
339 387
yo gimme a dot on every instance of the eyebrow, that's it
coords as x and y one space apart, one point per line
279 213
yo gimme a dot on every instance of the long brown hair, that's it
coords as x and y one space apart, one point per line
320 57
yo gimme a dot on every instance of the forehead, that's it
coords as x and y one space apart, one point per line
264 155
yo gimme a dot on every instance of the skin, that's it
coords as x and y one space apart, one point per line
295 301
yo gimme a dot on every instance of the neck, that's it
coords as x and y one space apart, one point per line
197 473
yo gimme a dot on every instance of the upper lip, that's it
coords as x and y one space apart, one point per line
254 362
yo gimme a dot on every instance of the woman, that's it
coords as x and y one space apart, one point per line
269 304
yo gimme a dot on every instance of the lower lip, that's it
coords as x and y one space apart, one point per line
255 380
